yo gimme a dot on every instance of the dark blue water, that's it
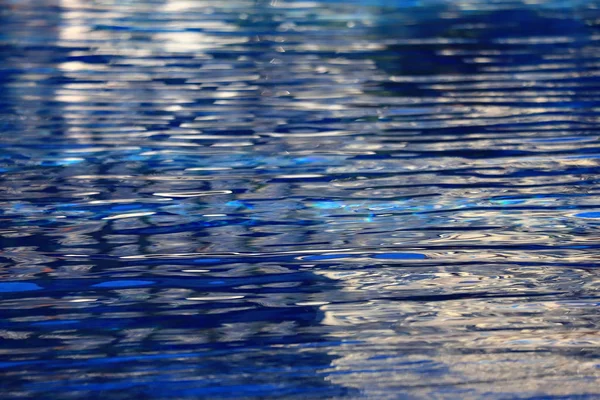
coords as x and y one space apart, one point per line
299 199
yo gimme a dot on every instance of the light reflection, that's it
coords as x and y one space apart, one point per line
373 199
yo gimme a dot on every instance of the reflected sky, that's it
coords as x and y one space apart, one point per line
293 199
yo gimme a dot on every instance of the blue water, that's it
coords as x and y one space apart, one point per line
299 199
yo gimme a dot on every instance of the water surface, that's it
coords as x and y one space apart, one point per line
289 199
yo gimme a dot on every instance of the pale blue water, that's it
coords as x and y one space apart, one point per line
286 199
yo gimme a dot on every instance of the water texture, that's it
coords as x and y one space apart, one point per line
299 199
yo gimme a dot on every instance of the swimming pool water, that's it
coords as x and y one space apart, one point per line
299 199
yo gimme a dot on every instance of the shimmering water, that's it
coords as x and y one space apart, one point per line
286 199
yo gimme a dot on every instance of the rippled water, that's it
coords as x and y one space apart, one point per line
285 199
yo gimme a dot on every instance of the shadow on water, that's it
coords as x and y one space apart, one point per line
518 60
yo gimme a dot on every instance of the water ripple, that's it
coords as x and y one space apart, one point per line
299 199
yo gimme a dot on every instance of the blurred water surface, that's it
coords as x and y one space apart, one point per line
299 199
